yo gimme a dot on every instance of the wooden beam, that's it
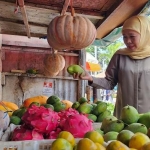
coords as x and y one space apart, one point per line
19 29
126 9
65 6
24 15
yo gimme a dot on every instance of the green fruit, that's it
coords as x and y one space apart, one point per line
32 71
100 131
53 99
145 119
75 105
48 106
85 108
94 105
101 107
116 125
92 117
103 115
19 112
99 101
75 69
129 114
15 120
82 100
124 136
107 120
16 112
59 106
34 103
137 127
112 135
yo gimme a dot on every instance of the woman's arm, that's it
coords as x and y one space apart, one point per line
109 81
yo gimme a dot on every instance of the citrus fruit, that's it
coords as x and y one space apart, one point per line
59 106
100 147
48 106
124 136
138 140
15 120
61 144
75 105
111 135
34 103
95 136
53 99
86 144
68 136
146 146
82 100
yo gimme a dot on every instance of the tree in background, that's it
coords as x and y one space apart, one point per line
105 54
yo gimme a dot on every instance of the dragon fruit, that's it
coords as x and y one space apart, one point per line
78 125
21 133
54 134
41 119
65 114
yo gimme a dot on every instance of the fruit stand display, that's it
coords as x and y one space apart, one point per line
40 124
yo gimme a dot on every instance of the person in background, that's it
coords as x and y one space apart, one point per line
129 68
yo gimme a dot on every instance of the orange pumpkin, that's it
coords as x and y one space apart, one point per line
67 103
41 99
70 32
53 64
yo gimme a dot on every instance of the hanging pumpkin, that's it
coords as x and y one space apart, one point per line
70 32
53 64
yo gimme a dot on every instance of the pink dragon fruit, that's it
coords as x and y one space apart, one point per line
78 125
65 114
53 134
41 119
21 133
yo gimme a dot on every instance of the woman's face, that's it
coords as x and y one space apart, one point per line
131 39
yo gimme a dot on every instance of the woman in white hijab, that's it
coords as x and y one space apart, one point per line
129 68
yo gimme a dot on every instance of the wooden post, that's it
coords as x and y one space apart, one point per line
0 65
82 83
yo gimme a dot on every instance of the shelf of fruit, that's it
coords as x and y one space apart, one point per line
49 121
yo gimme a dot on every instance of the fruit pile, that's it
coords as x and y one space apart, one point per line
93 140
95 111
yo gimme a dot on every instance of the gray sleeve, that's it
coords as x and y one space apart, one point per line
111 79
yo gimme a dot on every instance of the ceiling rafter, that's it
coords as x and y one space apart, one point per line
25 17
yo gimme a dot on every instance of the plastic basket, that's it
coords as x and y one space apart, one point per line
5 144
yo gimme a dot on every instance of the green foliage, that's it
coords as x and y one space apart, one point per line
104 55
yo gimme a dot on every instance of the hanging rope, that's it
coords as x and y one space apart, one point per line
72 9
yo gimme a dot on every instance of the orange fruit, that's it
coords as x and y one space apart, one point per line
86 144
138 140
60 144
67 136
95 136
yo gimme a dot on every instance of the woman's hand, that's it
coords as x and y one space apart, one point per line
84 76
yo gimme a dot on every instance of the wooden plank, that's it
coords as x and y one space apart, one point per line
19 29
36 76
126 9
24 41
